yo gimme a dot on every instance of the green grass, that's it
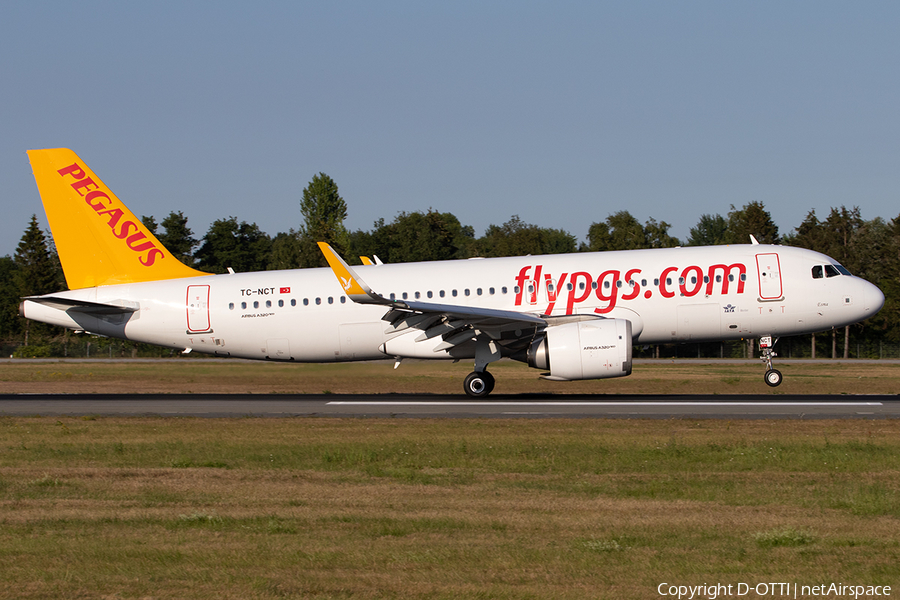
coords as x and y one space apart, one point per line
381 508
435 377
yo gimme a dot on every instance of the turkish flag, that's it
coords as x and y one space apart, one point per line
285 290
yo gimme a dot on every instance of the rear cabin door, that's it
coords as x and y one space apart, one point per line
769 269
198 308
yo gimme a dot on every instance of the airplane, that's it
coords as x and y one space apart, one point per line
575 316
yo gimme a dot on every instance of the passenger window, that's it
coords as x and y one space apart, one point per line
442 293
231 306
467 292
418 295
268 304
478 291
256 305
454 293
743 277
491 291
393 296
306 302
429 294
343 299
503 290
293 302
405 296
330 300
619 283
244 305
280 303
318 301
515 289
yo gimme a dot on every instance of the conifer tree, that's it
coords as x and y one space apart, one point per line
36 271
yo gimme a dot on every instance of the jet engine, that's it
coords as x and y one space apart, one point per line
595 349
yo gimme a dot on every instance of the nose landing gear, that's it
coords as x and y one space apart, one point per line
773 376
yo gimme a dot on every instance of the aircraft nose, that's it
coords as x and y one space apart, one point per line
874 299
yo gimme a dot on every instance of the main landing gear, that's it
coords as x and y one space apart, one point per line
773 376
478 385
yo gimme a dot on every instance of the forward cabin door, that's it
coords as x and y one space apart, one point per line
769 270
198 309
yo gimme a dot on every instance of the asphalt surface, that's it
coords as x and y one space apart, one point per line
434 406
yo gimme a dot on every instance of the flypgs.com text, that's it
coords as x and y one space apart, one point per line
610 287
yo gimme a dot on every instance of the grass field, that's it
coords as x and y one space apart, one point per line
150 507
368 508
437 377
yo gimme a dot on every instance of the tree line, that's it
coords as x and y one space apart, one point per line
868 248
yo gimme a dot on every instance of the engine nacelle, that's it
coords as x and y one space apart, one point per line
595 349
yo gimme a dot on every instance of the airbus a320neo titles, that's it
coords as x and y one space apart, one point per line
575 316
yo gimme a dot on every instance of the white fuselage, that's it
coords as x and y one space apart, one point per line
669 295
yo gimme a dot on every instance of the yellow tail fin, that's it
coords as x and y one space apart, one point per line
99 241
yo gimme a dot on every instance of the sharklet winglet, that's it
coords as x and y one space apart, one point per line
355 288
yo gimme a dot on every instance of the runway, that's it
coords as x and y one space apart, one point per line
434 406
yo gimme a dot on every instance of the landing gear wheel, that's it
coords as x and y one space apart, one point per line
478 385
773 377
490 381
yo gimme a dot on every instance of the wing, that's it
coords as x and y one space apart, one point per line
456 324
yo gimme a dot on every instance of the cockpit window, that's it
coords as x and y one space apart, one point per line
833 270
841 270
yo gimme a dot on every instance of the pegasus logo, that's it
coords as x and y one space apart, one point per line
100 201
346 283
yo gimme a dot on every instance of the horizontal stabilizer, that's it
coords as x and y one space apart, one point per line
83 306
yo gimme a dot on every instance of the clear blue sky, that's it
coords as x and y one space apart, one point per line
562 113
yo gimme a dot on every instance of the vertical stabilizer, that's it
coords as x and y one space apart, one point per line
99 241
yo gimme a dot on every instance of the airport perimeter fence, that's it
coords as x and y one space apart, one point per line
86 346
787 348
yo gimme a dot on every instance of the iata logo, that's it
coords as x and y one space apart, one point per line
729 308
135 239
